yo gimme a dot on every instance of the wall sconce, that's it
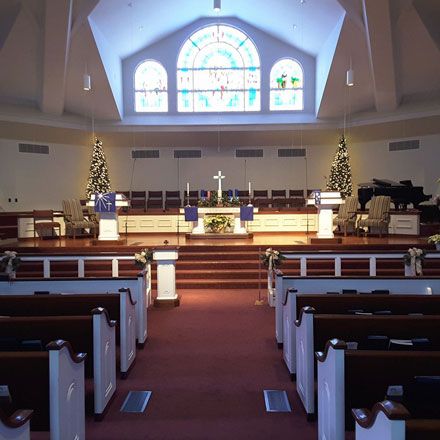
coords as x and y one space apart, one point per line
87 83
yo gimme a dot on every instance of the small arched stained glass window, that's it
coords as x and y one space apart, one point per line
218 70
150 87
287 85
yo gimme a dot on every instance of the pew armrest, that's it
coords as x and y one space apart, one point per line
127 328
386 421
16 426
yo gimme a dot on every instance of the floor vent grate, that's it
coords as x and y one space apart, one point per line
136 401
276 401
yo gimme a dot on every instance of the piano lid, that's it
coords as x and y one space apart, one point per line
380 182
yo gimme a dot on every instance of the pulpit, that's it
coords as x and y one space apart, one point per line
108 214
166 257
325 201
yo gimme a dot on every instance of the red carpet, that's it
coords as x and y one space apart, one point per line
207 363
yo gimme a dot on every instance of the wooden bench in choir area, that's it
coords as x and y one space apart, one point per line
343 303
359 378
314 330
51 383
16 426
390 420
120 307
93 334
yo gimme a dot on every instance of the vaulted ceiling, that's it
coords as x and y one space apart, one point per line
47 45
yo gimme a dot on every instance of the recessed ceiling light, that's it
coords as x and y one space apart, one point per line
141 28
294 27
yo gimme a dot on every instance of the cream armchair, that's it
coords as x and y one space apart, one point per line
378 215
74 218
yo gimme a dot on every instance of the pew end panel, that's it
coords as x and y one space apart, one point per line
16 426
305 360
386 421
66 391
279 307
143 300
104 360
289 331
127 328
331 391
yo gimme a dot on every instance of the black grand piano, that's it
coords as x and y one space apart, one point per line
402 193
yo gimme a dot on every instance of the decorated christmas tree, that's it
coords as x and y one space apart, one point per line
340 172
99 180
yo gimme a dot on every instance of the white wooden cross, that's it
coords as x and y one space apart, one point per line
219 177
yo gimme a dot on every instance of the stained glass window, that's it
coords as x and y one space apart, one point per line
150 82
218 70
286 85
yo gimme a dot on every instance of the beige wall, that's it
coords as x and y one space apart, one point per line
42 181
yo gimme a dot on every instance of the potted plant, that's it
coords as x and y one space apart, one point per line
217 223
436 240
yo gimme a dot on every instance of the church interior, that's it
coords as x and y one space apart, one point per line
219 219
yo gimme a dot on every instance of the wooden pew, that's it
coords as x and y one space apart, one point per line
323 284
324 303
15 426
359 378
120 307
313 331
137 285
391 421
52 384
93 334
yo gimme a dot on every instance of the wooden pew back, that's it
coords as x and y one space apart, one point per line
398 304
357 328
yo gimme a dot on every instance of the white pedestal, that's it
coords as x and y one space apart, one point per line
239 226
108 226
328 201
166 276
325 223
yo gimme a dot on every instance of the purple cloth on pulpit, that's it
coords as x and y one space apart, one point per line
191 213
105 202
246 213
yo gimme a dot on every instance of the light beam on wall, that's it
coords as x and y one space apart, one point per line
350 77
87 82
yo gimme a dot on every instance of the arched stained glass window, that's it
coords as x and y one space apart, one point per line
150 83
286 85
218 70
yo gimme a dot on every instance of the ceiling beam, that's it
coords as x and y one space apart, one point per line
85 9
378 32
353 9
8 17
57 25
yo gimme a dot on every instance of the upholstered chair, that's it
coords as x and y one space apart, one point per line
347 215
74 218
378 215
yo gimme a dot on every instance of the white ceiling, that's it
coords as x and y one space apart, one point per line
46 45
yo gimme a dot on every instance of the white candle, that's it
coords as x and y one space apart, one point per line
187 189
249 188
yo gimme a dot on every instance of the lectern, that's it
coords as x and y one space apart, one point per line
325 201
165 257
108 218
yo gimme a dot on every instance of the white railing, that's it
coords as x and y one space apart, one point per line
372 257
48 259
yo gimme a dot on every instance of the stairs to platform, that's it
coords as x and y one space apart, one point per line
227 267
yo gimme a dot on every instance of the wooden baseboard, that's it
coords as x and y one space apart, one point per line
167 303
335 240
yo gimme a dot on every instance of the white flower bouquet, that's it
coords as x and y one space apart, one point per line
272 258
9 263
414 257
144 257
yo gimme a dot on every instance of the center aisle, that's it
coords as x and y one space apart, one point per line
207 363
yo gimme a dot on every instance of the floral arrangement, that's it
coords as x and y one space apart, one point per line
144 257
212 200
272 258
414 257
9 263
434 239
217 223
